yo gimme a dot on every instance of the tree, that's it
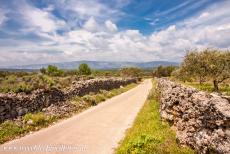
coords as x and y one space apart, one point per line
163 71
195 65
213 64
84 69
181 74
53 71
130 72
43 70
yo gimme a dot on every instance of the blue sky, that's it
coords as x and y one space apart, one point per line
42 31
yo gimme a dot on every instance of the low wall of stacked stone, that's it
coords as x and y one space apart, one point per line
13 105
201 120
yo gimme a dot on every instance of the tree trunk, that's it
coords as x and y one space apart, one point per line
215 83
200 80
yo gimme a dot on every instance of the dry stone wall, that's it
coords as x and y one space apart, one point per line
13 105
202 120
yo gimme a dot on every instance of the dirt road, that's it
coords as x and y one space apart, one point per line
94 131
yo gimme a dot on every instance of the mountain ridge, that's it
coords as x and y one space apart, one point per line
97 64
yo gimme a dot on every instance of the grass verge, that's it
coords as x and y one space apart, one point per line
11 129
150 135
93 99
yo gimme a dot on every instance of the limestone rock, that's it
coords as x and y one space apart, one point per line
202 120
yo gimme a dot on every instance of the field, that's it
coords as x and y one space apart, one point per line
17 82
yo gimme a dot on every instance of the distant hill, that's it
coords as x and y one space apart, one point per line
96 65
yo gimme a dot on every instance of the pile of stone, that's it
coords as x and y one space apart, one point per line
13 105
84 87
201 120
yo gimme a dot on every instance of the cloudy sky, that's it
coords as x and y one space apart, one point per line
42 31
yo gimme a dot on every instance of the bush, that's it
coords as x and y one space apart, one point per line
38 119
48 80
52 71
89 99
99 98
23 87
84 69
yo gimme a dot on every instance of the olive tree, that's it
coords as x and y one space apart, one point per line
218 66
130 72
163 71
211 64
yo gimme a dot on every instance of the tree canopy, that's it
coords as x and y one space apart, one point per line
163 71
84 69
130 72
211 64
52 71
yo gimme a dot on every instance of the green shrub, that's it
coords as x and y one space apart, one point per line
99 98
89 99
38 119
48 80
52 71
23 87
84 69
11 79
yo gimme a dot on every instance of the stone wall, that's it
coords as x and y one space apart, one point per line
13 105
201 120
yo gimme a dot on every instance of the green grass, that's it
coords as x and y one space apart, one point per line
150 135
10 129
35 121
223 88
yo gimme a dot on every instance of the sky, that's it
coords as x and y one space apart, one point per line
45 31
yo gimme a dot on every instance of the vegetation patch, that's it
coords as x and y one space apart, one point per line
223 88
35 121
209 65
29 122
93 99
150 134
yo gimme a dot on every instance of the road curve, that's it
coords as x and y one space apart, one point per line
94 131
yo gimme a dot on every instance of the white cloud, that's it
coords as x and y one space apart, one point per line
96 41
3 17
203 15
110 26
91 25
39 19
85 9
